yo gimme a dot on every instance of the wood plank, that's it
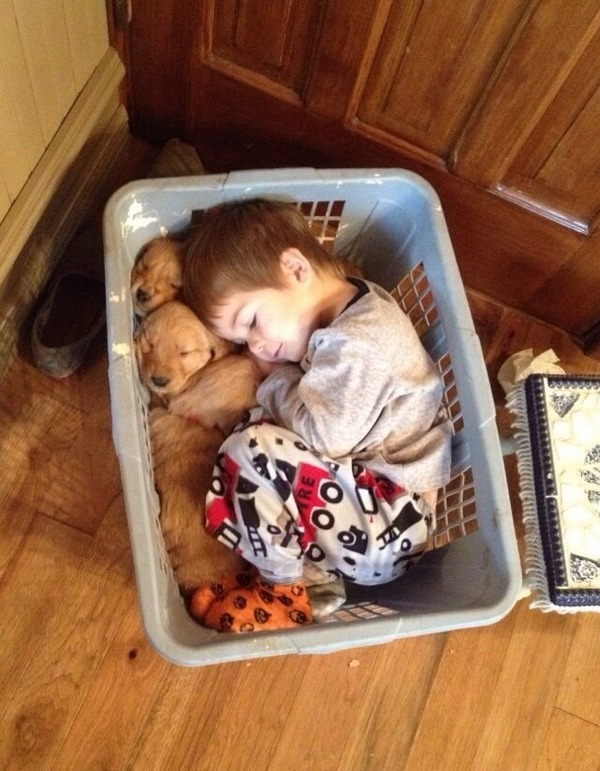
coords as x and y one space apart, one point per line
344 56
69 496
504 331
400 697
328 704
554 296
16 517
158 30
455 712
503 251
542 54
431 67
261 702
31 594
558 164
220 717
522 701
33 431
569 743
260 33
25 386
266 46
116 706
579 687
511 260
68 652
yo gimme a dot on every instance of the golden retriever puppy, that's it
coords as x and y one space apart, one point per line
207 390
183 454
172 345
156 276
220 393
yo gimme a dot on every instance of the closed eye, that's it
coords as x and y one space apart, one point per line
252 323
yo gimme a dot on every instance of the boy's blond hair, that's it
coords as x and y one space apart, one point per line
237 247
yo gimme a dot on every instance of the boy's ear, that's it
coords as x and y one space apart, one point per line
294 265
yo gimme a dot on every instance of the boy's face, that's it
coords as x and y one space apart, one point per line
272 322
275 323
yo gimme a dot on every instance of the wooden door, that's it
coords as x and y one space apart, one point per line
496 104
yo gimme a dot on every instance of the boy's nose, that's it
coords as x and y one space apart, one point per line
256 347
255 344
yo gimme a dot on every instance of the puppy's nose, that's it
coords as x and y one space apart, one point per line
160 381
142 296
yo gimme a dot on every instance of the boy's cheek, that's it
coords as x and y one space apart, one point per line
264 367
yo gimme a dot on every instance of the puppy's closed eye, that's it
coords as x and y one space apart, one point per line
190 351
156 277
181 347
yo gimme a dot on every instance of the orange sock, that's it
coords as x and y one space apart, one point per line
259 606
204 596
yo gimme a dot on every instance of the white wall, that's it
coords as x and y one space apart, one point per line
48 50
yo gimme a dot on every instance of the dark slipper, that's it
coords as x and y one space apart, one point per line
74 310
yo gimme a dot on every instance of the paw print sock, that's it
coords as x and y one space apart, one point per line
203 597
260 606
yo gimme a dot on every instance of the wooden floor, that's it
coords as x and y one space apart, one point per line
81 689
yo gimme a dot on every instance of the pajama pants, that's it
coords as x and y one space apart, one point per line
277 502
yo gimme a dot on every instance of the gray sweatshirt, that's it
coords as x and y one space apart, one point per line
367 389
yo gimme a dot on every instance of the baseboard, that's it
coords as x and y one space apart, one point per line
63 190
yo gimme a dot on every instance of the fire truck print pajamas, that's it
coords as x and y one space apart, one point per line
327 468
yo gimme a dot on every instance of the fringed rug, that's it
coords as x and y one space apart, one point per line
557 436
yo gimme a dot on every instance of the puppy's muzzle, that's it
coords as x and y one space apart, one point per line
160 381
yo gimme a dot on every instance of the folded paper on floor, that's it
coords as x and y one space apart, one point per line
524 363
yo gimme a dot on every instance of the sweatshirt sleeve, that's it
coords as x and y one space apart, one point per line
366 386
335 404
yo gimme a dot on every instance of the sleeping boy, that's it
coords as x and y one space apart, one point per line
341 464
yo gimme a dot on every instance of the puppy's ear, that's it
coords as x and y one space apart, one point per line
141 342
218 346
140 254
137 350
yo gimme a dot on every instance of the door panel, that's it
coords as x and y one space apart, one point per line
537 119
559 164
496 104
432 64
267 44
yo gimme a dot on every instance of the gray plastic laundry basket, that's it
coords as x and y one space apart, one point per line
390 223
